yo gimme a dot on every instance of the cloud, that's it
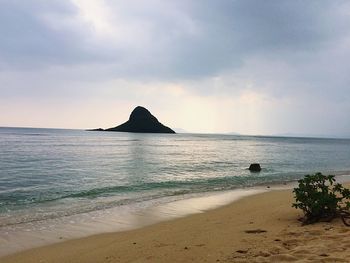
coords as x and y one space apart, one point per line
291 56
182 39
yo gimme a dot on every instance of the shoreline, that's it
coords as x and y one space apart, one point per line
114 220
238 214
257 228
172 212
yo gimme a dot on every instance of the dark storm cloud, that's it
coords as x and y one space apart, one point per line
39 33
300 34
25 37
225 33
185 39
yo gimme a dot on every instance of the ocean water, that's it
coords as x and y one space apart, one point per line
47 174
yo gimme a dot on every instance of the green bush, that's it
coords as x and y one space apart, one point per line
320 198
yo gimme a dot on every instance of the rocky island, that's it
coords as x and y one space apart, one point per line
142 121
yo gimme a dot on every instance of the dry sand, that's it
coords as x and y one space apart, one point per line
219 235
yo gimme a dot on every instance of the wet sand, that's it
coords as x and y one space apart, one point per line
24 236
258 228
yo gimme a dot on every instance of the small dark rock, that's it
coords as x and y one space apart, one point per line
185 247
255 167
255 231
242 251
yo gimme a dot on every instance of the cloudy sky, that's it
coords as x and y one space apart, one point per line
246 66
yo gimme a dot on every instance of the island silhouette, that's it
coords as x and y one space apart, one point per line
142 121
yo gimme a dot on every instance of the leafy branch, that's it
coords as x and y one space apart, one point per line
321 198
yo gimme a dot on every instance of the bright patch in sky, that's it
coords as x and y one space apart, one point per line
97 14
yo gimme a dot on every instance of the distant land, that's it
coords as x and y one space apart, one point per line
311 135
294 135
179 130
140 121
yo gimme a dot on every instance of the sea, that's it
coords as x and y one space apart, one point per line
60 184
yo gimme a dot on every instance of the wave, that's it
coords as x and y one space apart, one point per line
170 189
165 188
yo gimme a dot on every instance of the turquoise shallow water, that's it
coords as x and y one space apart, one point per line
51 173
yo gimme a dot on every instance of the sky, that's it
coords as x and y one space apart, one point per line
246 66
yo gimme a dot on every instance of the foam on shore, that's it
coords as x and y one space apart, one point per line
19 237
120 219
258 228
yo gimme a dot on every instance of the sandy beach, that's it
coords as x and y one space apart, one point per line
258 228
